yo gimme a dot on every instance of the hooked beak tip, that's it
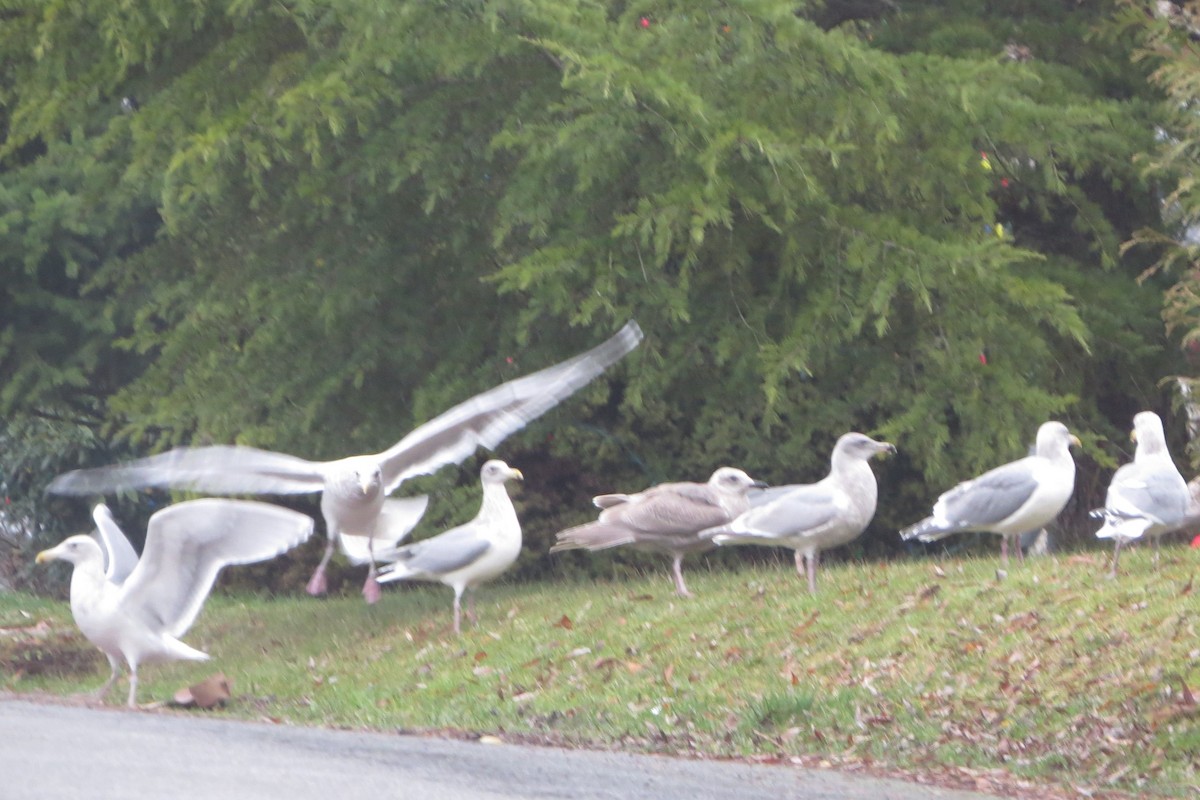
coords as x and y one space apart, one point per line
43 557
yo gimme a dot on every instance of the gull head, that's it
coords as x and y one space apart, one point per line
1148 432
361 478
496 471
734 481
1054 437
860 446
76 549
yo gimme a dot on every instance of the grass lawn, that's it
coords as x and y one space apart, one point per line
1053 676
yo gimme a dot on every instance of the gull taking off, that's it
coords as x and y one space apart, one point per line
136 609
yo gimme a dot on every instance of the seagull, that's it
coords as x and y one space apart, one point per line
813 517
666 518
354 490
471 554
1020 496
1147 497
136 610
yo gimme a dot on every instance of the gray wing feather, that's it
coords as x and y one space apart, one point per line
120 558
488 418
666 512
794 512
187 544
446 552
991 497
1155 492
221 469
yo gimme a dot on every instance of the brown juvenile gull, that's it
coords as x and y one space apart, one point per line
666 518
354 490
813 517
136 609
1019 496
1147 497
471 554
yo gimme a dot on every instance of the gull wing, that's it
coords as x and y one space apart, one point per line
803 510
488 418
220 469
456 548
188 543
990 498
119 556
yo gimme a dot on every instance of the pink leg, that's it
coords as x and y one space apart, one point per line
812 572
1116 557
680 587
1020 552
370 591
317 585
457 614
1004 550
800 567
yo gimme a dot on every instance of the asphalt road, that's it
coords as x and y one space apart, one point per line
50 751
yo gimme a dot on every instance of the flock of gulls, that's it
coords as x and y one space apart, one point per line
136 609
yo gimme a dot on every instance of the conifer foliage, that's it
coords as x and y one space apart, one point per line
310 225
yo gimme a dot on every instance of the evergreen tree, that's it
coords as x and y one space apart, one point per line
312 226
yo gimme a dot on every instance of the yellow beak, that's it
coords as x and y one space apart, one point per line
43 557
1075 440
517 474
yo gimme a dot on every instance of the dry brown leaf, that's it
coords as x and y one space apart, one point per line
808 623
634 667
480 655
565 623
668 673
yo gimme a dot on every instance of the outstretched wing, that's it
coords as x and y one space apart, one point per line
188 543
119 556
221 469
486 419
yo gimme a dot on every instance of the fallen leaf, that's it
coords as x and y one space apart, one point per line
668 673
1187 587
480 656
565 623
803 626
634 667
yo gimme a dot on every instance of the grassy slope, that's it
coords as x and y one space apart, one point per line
1055 673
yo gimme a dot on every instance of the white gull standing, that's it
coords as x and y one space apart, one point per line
136 609
470 554
1147 497
1011 499
813 517
354 490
